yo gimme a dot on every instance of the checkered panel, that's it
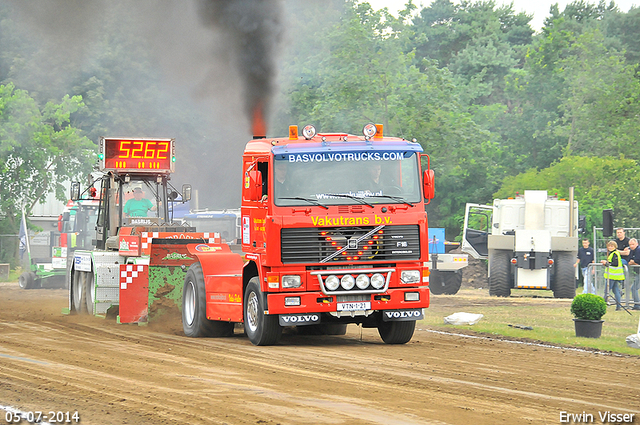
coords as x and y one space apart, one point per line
129 272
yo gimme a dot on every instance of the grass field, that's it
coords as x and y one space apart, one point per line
550 319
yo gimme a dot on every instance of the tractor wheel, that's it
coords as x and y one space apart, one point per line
396 332
194 308
89 293
26 280
260 328
565 281
445 283
500 274
436 282
78 287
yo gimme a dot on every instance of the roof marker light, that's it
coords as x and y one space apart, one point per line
369 130
309 132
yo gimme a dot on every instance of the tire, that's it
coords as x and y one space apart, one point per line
436 282
195 323
564 281
89 292
78 287
500 274
260 328
26 280
396 332
445 283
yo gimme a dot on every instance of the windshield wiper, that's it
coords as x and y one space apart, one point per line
395 198
311 201
355 198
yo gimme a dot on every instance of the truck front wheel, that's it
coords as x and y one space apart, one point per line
500 274
565 278
261 329
195 323
396 332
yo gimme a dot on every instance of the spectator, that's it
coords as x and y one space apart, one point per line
634 260
585 257
614 273
138 206
623 244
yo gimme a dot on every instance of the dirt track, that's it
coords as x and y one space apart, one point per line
116 374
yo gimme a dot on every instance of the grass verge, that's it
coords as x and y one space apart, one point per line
550 319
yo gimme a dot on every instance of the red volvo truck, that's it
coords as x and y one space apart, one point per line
334 231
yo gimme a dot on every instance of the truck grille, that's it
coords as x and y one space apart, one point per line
320 245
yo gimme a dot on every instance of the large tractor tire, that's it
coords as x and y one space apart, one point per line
500 279
396 332
564 285
78 288
445 283
261 329
89 293
27 280
194 308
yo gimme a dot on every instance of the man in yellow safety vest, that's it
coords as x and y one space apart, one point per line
614 273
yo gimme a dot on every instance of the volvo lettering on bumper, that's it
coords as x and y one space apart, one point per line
403 315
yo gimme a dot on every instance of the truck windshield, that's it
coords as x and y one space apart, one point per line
385 177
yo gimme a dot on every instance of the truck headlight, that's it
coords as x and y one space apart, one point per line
377 281
332 282
291 281
362 281
347 282
410 276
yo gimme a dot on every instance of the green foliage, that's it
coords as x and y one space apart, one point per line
599 183
588 307
39 150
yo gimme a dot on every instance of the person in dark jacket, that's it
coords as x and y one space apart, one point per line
585 257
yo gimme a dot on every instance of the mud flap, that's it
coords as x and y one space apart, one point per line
403 315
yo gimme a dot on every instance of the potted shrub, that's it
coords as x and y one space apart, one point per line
588 310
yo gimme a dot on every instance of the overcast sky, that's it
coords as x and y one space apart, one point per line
539 8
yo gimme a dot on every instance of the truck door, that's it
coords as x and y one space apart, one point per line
477 227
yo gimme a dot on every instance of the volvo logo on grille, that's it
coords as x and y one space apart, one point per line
353 243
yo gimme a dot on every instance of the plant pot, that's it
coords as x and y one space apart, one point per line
588 328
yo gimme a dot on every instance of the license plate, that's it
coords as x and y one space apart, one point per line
364 305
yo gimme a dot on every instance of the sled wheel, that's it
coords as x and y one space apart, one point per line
89 292
26 280
261 329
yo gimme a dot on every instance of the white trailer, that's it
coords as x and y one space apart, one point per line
530 242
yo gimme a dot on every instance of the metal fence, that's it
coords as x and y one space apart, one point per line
596 270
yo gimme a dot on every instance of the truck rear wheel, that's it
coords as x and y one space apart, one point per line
261 329
27 280
500 274
445 283
396 332
195 323
78 287
565 279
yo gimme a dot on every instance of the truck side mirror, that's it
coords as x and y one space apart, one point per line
75 191
254 185
428 184
186 192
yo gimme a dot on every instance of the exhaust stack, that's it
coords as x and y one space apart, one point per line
258 124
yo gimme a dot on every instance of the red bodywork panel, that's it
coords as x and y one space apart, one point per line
222 270
134 293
